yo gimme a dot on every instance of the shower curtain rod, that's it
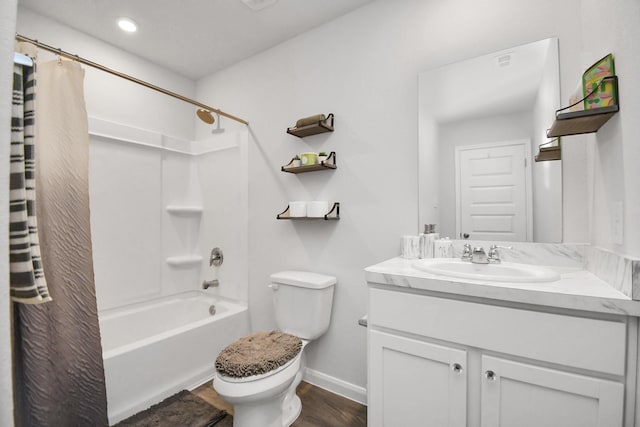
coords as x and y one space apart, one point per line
101 67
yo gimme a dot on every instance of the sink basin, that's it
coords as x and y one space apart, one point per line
503 272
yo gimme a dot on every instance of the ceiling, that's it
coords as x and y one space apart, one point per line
193 37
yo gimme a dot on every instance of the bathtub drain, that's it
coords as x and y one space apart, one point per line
212 310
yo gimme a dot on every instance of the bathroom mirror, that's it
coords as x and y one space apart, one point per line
481 122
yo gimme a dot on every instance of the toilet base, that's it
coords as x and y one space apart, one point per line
291 408
264 413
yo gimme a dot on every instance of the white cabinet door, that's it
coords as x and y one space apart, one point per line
414 383
521 395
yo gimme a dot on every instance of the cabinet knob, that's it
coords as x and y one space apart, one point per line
457 368
490 375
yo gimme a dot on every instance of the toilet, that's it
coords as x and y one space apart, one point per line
261 394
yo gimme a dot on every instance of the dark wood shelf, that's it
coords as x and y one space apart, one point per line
579 122
313 129
328 164
584 121
333 214
547 154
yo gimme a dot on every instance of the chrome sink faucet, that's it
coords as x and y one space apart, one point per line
479 256
494 256
466 252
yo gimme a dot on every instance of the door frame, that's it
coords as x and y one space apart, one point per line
528 179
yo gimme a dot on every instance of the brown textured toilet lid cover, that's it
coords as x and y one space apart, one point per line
258 353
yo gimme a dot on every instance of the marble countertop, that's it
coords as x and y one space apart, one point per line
577 289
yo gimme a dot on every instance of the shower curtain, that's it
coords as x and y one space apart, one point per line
59 375
26 278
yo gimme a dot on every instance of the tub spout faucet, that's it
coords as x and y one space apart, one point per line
206 284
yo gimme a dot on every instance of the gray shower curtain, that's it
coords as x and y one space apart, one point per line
59 374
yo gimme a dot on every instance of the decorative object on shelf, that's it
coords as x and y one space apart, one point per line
297 209
295 162
329 163
333 214
322 157
549 152
599 92
312 125
317 208
585 121
309 159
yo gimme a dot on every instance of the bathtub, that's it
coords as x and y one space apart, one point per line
154 349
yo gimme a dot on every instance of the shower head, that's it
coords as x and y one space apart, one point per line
205 116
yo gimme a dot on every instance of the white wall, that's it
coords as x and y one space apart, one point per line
506 127
547 176
7 30
363 67
616 174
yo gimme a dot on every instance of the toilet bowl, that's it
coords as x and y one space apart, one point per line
302 302
268 400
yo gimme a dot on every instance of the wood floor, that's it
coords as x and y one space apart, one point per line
320 408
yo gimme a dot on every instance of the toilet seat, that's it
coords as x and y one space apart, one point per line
258 353
254 386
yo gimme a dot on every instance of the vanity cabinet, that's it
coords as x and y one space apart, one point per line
415 380
440 361
528 395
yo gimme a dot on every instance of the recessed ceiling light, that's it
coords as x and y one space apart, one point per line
258 4
127 25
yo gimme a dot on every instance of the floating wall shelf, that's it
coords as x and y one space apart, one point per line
321 126
547 154
584 121
333 214
330 163
579 122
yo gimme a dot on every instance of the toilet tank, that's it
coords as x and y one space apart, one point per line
302 302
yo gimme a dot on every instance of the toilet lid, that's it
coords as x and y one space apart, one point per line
257 354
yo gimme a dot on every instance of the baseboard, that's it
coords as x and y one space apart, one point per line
335 385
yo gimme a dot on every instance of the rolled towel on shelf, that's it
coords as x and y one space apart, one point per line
310 120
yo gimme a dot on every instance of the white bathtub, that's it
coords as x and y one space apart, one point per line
153 349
